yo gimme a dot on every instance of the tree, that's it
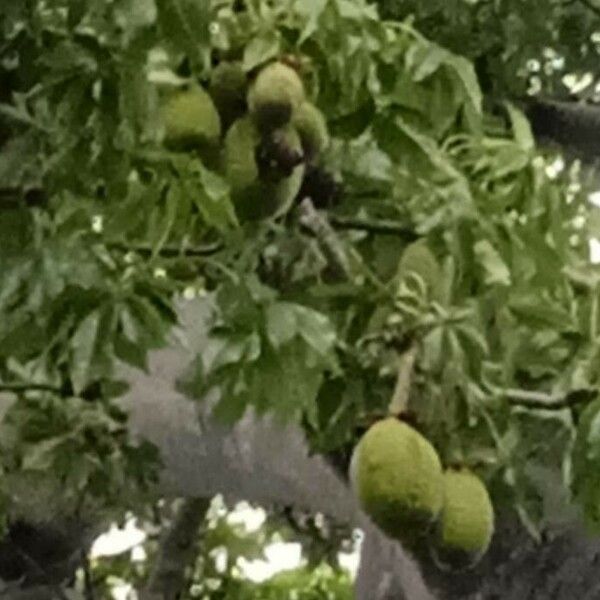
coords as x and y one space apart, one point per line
111 212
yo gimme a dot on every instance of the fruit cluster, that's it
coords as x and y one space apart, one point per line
400 483
264 131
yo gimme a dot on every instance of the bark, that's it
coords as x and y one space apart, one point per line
177 552
258 460
261 461
570 126
563 567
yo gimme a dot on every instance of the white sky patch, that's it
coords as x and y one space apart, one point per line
138 554
595 251
97 223
116 540
555 168
594 198
123 591
577 83
280 556
252 518
349 561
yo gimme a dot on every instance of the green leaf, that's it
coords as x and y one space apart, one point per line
213 199
83 347
281 323
186 25
521 128
41 456
316 329
494 268
163 230
261 49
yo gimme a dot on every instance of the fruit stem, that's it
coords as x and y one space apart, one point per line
399 400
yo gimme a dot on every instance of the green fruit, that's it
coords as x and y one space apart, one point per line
275 94
312 127
397 477
255 198
191 119
466 524
228 88
240 144
419 260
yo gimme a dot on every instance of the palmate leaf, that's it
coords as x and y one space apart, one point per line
90 277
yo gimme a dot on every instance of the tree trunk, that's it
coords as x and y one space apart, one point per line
177 552
260 461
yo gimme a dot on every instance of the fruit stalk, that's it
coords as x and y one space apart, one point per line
399 400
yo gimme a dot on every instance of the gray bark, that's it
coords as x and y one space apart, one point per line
570 126
260 461
176 552
257 460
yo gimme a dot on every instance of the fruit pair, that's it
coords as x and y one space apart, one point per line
398 478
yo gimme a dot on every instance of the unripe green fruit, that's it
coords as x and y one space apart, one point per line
254 198
241 141
228 88
418 259
312 127
397 477
466 524
191 119
274 96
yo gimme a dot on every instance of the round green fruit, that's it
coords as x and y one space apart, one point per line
191 119
312 127
274 96
397 477
466 524
240 145
228 89
419 260
253 197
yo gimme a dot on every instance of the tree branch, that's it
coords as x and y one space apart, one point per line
18 388
177 551
320 227
88 579
573 126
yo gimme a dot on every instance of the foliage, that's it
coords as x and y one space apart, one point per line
102 228
225 546
517 47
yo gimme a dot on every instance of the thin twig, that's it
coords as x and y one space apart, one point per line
541 401
320 227
177 551
17 388
399 400
374 226
168 251
88 580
